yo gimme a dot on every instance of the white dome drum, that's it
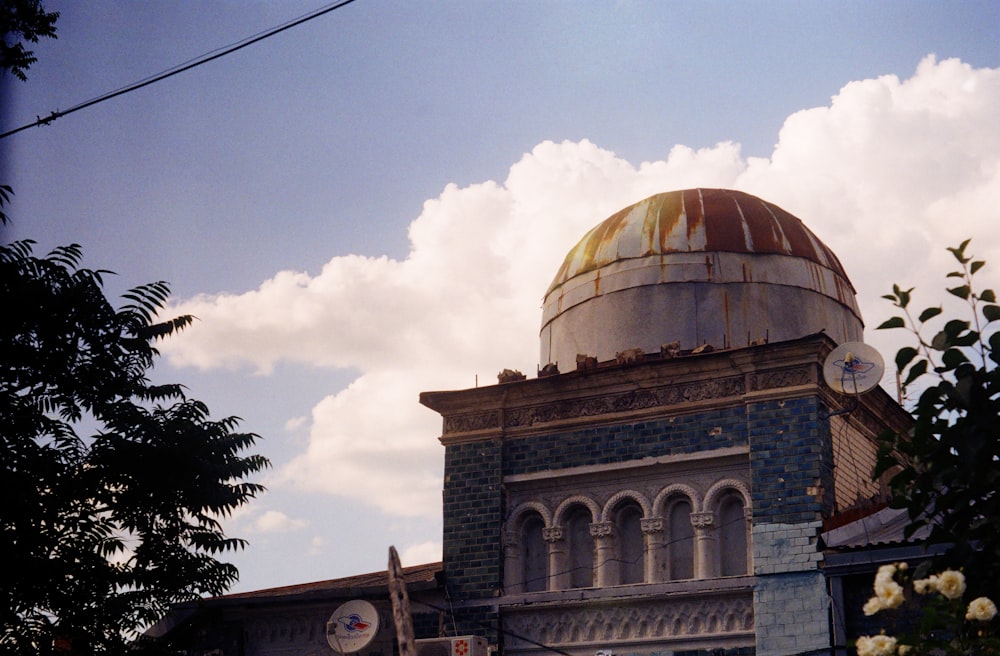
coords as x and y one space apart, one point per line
696 266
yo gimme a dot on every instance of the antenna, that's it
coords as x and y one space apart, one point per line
853 368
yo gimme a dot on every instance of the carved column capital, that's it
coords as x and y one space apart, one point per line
554 534
703 520
651 525
602 530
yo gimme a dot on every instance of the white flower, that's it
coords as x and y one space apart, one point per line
885 573
889 593
981 609
880 645
950 583
923 586
872 606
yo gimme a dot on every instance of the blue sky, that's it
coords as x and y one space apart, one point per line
372 204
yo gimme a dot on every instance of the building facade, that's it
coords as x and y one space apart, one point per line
662 485
665 493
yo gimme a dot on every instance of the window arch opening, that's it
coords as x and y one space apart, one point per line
580 548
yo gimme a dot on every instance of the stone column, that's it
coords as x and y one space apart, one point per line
704 543
558 576
652 533
512 570
748 517
605 564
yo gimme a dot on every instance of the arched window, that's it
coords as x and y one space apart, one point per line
534 554
732 536
629 542
580 548
680 541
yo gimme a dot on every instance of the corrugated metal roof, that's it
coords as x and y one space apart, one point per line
885 527
695 220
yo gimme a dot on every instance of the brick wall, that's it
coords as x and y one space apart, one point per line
791 461
473 517
598 445
791 469
791 614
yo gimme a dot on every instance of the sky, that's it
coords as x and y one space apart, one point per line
372 204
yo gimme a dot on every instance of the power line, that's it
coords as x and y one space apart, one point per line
180 68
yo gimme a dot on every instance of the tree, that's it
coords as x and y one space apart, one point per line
23 20
113 487
946 471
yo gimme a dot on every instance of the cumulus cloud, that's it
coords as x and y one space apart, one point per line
417 554
888 174
264 521
317 545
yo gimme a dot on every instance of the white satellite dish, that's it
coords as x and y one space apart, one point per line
352 626
853 368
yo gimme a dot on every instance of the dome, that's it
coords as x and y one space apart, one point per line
696 266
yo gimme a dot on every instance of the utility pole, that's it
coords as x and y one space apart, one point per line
400 606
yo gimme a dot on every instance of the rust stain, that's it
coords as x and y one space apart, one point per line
670 210
699 220
726 341
694 210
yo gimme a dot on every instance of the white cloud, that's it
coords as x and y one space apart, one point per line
889 174
317 545
418 554
275 521
295 423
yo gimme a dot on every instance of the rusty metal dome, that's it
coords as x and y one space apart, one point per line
697 266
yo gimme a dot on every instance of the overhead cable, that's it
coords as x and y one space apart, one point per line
180 68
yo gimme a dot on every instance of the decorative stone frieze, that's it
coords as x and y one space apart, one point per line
625 402
788 377
472 422
637 621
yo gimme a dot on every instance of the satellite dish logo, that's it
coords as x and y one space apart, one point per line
353 623
352 626
853 365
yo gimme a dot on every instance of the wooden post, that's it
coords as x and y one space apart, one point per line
400 606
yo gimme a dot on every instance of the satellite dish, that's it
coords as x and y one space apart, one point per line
853 368
352 626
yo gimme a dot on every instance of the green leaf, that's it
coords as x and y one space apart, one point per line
894 322
955 327
976 266
916 371
988 296
941 341
929 313
904 356
961 291
991 312
959 252
953 357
